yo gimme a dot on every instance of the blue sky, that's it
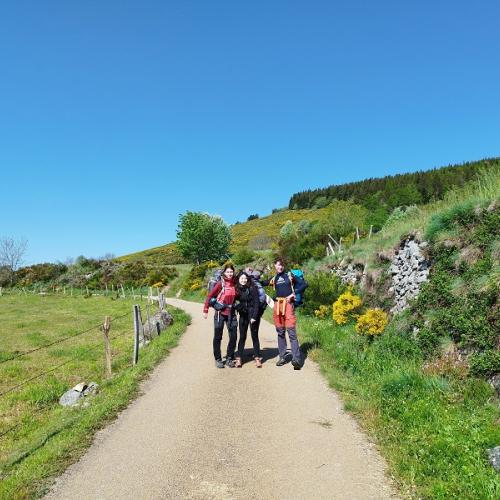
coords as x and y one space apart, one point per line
115 117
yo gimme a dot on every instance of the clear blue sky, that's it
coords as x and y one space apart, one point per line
116 116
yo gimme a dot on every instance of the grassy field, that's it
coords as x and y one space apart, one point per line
46 437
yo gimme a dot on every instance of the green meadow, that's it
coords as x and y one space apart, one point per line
63 342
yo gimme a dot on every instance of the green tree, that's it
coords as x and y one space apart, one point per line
202 237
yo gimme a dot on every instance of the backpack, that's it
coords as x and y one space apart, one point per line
217 276
262 294
298 274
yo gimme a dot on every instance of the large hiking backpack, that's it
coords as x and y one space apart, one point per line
298 274
217 276
262 294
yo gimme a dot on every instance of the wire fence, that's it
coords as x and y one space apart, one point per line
139 334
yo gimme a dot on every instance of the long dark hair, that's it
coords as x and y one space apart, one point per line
249 280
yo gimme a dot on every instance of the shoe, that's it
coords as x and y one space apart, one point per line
258 362
237 363
296 364
219 363
229 363
281 362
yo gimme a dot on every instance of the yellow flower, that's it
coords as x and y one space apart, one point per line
372 322
322 312
345 306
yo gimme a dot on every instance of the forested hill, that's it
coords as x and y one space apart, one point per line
382 195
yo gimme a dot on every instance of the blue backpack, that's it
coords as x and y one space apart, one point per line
298 274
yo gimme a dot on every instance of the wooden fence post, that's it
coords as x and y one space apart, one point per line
137 326
107 347
150 336
123 292
370 233
357 233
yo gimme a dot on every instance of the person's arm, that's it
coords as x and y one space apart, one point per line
215 291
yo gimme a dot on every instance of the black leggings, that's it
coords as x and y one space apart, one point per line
232 325
254 330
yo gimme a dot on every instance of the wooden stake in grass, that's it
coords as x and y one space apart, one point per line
107 347
370 233
123 291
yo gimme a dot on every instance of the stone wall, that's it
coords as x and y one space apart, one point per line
409 269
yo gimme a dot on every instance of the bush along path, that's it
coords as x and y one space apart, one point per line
200 432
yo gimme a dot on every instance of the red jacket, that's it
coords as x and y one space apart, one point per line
227 297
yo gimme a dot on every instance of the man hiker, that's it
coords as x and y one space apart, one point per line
286 285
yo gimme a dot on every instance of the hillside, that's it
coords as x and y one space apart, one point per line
378 196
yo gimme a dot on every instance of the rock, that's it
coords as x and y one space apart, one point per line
494 456
494 381
75 396
70 398
163 318
91 389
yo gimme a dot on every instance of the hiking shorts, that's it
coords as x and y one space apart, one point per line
284 315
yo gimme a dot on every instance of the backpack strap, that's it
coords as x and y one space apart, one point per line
291 278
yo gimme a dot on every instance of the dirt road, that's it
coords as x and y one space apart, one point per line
205 433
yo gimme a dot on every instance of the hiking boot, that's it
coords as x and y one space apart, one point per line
296 364
281 361
219 363
258 362
237 363
229 363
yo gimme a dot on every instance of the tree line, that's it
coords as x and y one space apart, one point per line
381 195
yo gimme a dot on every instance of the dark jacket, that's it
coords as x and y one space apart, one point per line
248 301
283 285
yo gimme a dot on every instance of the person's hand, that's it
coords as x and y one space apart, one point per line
205 315
290 297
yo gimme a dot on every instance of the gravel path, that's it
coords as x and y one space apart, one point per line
203 433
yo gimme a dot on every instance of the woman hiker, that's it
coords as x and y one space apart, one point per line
221 298
248 308
286 285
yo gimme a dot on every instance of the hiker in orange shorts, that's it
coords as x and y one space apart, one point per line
286 285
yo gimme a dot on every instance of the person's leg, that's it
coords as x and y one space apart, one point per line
254 330
243 325
218 327
232 328
291 326
279 323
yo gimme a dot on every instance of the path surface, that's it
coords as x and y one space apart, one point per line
203 433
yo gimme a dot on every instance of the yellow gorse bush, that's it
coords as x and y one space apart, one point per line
196 285
345 306
322 312
372 322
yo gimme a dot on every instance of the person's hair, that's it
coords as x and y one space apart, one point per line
249 279
227 266
279 259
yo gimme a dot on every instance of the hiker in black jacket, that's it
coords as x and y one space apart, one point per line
286 285
248 309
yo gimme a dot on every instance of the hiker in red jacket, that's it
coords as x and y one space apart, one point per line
221 298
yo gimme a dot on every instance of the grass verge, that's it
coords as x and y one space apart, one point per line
52 437
432 430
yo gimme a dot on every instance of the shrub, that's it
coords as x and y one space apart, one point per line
486 363
252 217
345 306
243 256
372 322
323 289
322 312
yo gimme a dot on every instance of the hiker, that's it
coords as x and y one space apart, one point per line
248 309
286 286
221 298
